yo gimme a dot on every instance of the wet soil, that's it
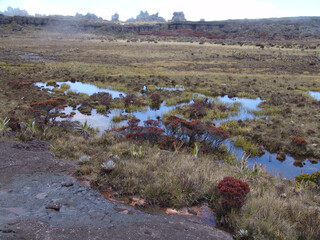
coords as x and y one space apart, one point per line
39 199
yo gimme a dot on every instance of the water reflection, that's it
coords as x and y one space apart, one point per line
245 111
289 168
315 95
86 88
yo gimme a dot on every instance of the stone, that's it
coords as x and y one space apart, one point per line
84 159
191 211
54 206
108 166
283 195
67 184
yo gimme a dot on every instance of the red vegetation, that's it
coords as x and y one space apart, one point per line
103 98
182 33
19 84
173 131
13 121
299 141
134 122
155 98
198 109
49 109
233 192
131 99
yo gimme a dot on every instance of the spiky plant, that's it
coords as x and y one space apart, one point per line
4 126
83 129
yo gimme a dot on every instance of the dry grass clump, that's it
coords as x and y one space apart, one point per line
165 178
280 212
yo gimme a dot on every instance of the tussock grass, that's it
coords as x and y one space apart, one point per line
183 98
248 146
246 95
165 178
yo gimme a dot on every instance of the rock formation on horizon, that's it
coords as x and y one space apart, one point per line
145 17
89 16
15 12
115 17
178 17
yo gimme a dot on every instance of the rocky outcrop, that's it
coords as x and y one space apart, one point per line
115 17
178 17
145 17
15 12
240 30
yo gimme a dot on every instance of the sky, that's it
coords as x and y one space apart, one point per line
193 10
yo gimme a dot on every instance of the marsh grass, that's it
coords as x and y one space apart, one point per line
65 86
183 98
101 109
119 118
246 95
248 146
267 110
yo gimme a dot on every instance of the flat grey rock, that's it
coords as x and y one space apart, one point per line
38 200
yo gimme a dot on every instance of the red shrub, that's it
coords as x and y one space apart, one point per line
14 123
233 192
155 98
299 141
133 122
49 109
131 99
103 98
198 108
151 122
175 130
19 84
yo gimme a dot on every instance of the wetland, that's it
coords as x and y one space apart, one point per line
167 120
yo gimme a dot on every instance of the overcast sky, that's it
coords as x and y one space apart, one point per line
194 10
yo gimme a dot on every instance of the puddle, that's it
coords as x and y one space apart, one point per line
104 121
86 88
289 168
245 111
315 95
176 88
207 215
